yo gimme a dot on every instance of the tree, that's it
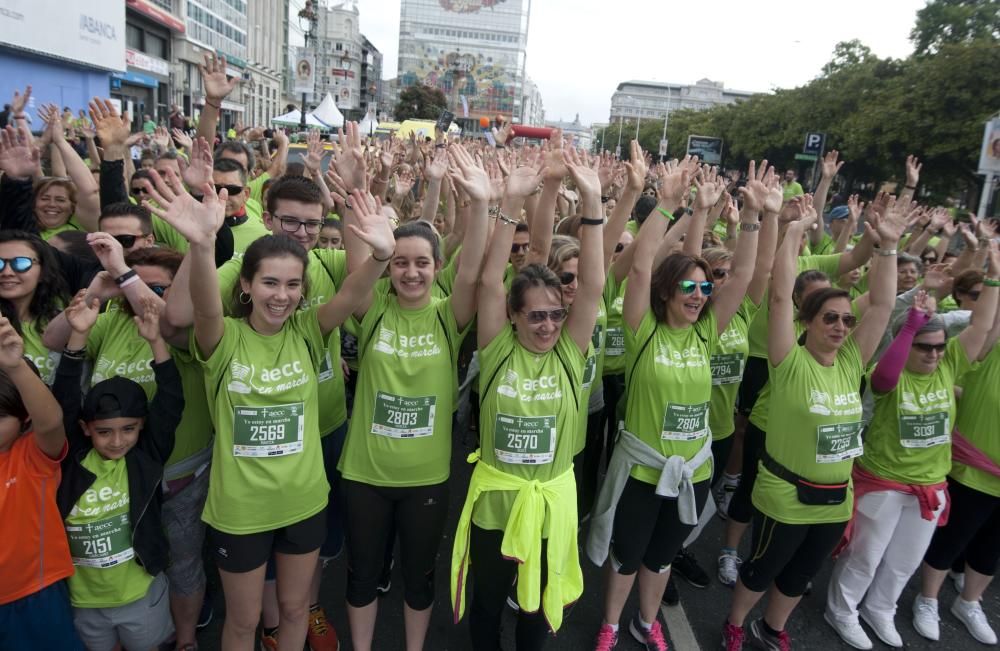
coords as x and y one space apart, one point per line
846 54
420 102
956 22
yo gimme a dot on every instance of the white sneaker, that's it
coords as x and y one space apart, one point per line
925 617
884 628
971 614
849 631
729 568
958 578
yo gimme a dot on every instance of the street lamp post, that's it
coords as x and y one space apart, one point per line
307 14
666 116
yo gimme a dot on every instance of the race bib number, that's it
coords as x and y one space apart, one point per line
101 544
684 422
524 439
403 418
615 342
838 442
924 430
589 371
727 369
272 431
325 367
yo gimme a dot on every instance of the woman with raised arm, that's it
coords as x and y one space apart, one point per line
658 478
397 456
519 518
802 495
268 490
899 482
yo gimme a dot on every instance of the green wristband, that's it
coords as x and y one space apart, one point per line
665 213
992 282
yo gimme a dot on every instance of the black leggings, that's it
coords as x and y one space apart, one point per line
721 450
973 526
492 576
614 389
418 514
790 555
586 465
648 528
740 507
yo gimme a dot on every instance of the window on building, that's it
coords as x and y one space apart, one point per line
340 47
156 46
133 37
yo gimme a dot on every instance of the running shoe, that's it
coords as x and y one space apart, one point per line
268 642
670 595
729 568
607 638
385 581
760 638
686 565
971 614
321 636
885 628
925 617
732 637
850 631
653 638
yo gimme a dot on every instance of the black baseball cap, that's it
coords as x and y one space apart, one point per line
115 397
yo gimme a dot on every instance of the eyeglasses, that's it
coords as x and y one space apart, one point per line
567 277
291 225
138 190
231 189
619 247
127 241
849 320
688 286
557 315
518 248
720 273
159 290
929 348
20 264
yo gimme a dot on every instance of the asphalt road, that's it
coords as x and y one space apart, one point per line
694 624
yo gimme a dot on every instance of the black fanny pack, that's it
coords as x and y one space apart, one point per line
809 492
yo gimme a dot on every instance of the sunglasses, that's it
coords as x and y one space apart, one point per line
619 247
720 273
159 290
567 277
849 320
688 286
20 264
231 189
292 225
557 315
135 192
929 348
518 248
127 241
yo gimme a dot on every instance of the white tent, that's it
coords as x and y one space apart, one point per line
368 125
328 113
294 118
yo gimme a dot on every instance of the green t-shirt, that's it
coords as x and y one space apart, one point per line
978 415
614 349
727 364
592 372
325 273
71 225
45 360
947 304
400 433
256 186
100 540
267 467
668 382
828 264
166 235
814 431
789 190
115 347
826 245
909 439
247 233
529 411
194 432
255 211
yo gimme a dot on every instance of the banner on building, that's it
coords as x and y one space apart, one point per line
88 33
305 72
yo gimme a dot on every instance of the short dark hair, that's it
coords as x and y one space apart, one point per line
141 174
263 248
804 279
153 256
236 147
422 230
813 303
643 206
965 281
664 282
333 223
532 275
296 188
76 245
521 227
229 165
128 209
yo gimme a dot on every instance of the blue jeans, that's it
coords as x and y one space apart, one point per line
43 620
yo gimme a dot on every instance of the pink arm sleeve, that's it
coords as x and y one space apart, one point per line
890 366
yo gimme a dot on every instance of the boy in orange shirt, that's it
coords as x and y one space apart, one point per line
34 554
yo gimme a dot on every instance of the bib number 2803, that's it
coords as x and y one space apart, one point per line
400 417
272 431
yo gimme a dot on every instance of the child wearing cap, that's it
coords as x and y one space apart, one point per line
110 497
34 555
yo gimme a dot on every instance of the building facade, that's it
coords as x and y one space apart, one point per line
266 21
144 88
532 108
654 100
348 65
575 133
473 50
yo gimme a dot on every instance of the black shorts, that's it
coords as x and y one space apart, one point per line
237 553
755 376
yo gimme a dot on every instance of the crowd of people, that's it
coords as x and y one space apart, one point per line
213 356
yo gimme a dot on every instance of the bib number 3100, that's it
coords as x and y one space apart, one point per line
272 431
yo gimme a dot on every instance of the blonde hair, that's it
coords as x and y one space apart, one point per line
717 255
563 248
46 182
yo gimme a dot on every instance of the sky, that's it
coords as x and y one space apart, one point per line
580 50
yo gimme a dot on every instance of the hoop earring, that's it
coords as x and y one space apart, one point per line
245 298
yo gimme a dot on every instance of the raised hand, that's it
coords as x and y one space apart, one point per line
161 137
584 174
197 221
925 304
994 257
11 344
523 181
148 324
674 183
199 169
913 166
731 212
54 130
890 225
314 147
109 251
402 182
19 101
19 156
182 139
350 159
830 164
710 188
466 173
635 168
81 314
372 226
937 278
112 129
438 165
213 77
555 164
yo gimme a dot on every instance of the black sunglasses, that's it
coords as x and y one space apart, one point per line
231 189
19 264
139 190
557 315
517 248
127 241
567 277
849 320
929 348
